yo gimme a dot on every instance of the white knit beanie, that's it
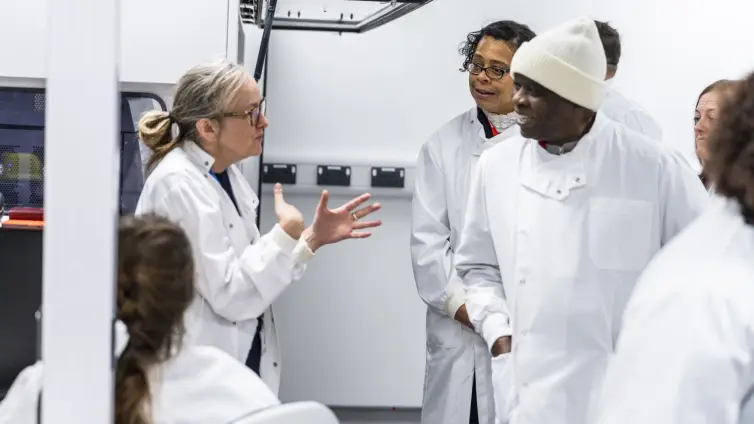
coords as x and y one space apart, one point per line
569 60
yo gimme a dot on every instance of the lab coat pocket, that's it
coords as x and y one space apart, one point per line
620 233
503 387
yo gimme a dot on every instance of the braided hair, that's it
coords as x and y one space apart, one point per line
155 287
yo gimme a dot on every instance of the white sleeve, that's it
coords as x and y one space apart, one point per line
477 265
432 258
237 285
20 404
683 194
682 358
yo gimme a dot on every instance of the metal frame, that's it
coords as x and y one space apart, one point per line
395 9
78 291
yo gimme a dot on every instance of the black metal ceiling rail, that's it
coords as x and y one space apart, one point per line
396 9
269 21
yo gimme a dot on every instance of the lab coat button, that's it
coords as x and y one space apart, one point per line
234 323
275 364
231 225
522 281
557 191
578 180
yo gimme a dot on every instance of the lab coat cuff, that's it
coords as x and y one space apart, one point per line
495 326
454 303
282 239
302 252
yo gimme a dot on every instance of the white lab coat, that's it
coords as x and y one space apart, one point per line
624 111
686 351
454 352
550 251
200 385
239 274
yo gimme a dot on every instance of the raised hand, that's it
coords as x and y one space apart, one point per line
335 225
290 219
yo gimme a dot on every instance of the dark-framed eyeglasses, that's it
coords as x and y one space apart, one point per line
493 72
254 114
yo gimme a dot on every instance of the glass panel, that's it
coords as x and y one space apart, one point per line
133 153
22 116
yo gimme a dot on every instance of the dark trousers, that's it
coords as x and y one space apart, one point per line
254 359
474 417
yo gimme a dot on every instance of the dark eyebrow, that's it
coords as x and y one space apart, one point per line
499 63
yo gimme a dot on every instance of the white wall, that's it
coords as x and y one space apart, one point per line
159 39
352 331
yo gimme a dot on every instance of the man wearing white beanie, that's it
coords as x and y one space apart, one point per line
561 221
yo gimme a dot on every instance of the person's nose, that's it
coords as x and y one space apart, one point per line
701 126
483 78
519 98
263 122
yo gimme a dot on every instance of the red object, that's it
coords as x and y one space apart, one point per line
494 130
26 214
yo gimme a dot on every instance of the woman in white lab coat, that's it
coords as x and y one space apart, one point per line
686 351
157 380
705 115
218 112
457 387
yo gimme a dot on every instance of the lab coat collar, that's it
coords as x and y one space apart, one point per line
557 176
483 143
198 156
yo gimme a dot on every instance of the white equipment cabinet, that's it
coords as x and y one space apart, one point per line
160 39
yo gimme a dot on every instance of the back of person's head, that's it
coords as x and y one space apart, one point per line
731 163
205 91
512 33
155 287
610 42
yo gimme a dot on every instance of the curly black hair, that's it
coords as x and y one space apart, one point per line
731 163
512 33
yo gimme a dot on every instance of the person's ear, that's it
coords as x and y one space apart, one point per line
208 129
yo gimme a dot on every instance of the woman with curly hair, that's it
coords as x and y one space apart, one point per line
686 352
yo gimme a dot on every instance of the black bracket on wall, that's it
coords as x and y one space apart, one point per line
278 173
334 175
388 177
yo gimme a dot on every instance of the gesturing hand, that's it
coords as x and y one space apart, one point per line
334 225
289 218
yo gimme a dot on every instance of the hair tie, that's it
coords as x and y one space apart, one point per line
121 337
171 118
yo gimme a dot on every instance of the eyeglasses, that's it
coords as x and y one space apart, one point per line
492 72
254 114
